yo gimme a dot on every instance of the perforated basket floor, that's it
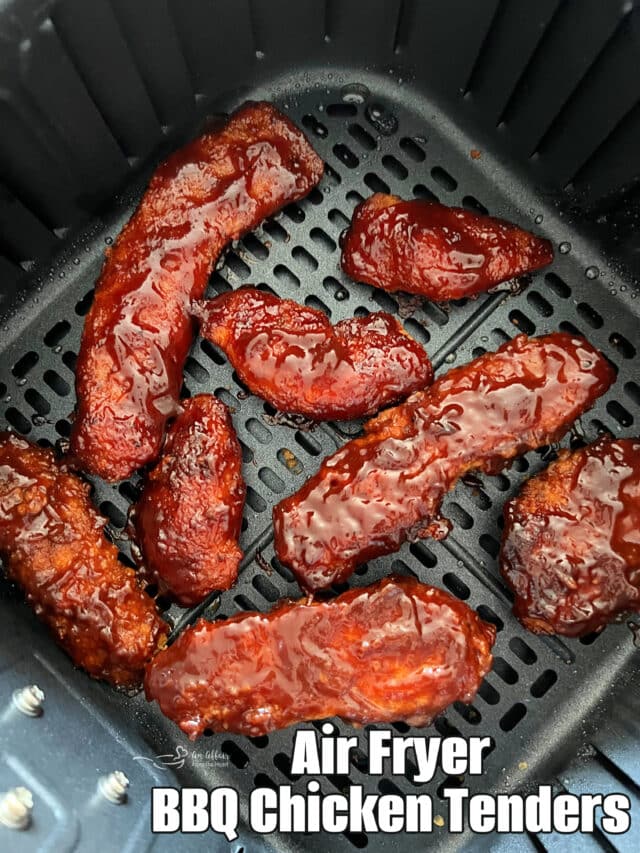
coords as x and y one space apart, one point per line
544 702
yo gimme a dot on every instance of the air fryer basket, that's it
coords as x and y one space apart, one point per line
526 110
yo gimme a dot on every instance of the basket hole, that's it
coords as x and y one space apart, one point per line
523 651
521 464
422 553
304 258
442 177
345 155
196 370
18 420
129 492
342 110
486 613
543 683
265 588
57 333
227 398
25 364
284 573
362 137
622 345
544 308
285 275
37 402
83 305
600 428
358 839
399 567
256 247
504 670
244 602
445 728
283 763
321 238
620 414
260 741
261 780
275 231
375 183
335 288
501 482
456 586
480 498
317 304
237 756
559 287
435 313
237 266
449 782
271 480
314 125
589 315
385 301
308 443
258 430
489 544
70 359
338 219
471 203
417 330
247 452
460 516
468 713
294 212
522 323
56 383
566 326
397 169
113 513
315 196
331 177
412 149
513 716
488 693
63 428
354 198
212 352
386 786
499 336
218 284
424 193
633 392
289 460
588 639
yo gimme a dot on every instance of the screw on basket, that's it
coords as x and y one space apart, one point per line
16 806
113 787
29 700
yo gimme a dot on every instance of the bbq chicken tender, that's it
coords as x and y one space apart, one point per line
396 650
139 329
53 545
387 486
189 516
292 356
436 251
571 543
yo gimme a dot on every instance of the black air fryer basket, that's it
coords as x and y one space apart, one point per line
527 110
